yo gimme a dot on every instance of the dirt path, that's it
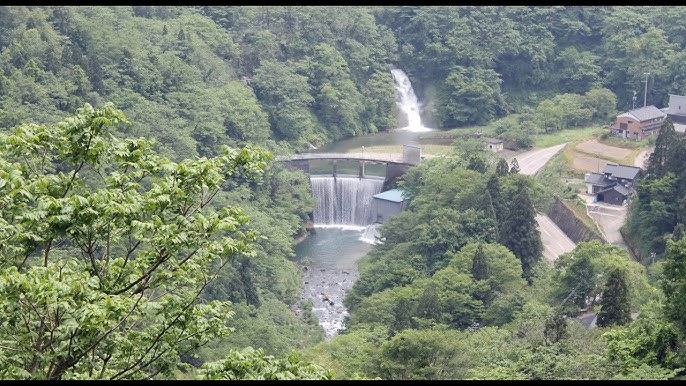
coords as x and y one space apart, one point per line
641 160
610 218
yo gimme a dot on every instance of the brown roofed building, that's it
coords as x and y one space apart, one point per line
638 124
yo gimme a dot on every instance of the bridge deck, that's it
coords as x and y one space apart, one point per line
372 157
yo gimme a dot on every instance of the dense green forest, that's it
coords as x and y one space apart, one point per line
146 233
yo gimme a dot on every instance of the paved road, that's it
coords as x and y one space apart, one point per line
555 241
610 218
532 161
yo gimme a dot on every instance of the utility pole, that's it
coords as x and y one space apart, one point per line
645 93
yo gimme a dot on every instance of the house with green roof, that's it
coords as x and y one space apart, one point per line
388 204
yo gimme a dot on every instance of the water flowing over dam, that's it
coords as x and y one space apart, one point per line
344 201
344 222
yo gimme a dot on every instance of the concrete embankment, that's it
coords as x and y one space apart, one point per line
569 222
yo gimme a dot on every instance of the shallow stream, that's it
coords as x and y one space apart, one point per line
329 257
329 262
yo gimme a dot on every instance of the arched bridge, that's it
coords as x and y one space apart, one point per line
369 157
396 164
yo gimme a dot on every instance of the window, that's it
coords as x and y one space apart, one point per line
379 218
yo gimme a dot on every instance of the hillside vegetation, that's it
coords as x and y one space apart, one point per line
145 231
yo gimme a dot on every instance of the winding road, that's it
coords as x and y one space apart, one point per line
531 162
555 241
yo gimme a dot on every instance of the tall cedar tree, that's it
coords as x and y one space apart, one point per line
555 328
674 283
493 186
501 169
657 162
519 233
514 166
479 267
615 302
679 231
479 273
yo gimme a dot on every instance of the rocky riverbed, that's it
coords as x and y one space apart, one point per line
328 259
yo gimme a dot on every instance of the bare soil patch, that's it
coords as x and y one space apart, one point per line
583 163
594 147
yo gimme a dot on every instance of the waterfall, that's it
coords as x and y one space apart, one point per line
371 234
407 101
344 201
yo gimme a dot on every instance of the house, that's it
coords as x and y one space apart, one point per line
596 182
387 204
615 185
677 111
492 144
638 124
616 195
623 174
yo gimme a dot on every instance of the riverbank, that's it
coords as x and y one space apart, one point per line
328 261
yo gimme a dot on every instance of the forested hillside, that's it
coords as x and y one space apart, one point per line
458 290
126 132
659 213
193 77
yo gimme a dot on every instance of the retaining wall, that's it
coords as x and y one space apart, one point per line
572 226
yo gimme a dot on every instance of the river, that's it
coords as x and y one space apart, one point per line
329 257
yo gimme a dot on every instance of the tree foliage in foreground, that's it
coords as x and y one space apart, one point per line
105 248
251 364
661 196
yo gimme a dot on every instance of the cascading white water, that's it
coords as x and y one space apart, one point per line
407 101
344 201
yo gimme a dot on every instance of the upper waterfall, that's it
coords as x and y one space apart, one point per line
407 101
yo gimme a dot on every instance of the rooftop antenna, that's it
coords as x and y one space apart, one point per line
645 93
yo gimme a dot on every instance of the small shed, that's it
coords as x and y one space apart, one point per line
615 195
492 144
387 204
